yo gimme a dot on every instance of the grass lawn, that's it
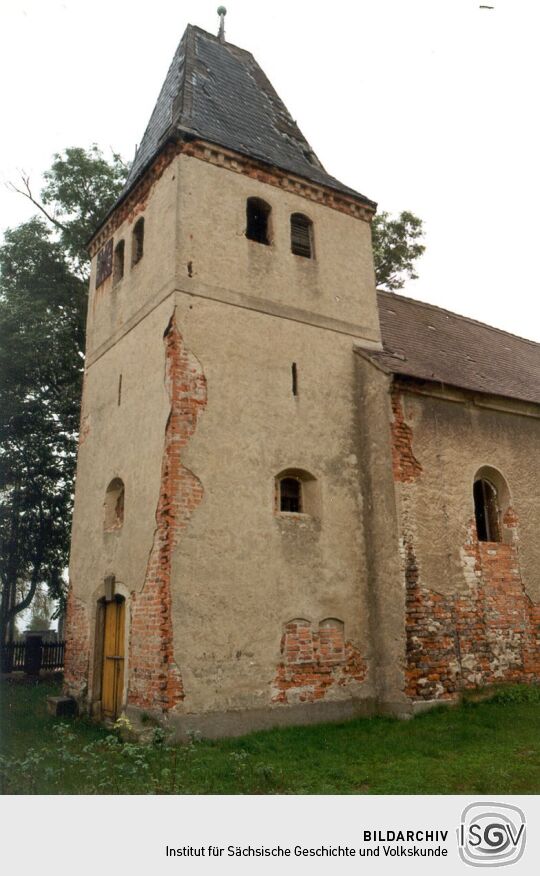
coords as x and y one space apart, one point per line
488 747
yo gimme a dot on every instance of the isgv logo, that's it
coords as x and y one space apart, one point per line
491 834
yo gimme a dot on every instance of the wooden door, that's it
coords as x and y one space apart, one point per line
113 659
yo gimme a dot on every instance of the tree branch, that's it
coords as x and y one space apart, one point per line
24 603
27 193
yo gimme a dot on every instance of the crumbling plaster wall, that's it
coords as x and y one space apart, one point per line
452 441
241 571
472 608
124 441
226 578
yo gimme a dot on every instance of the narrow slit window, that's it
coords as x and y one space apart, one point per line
294 378
137 243
290 495
258 220
486 509
301 236
118 263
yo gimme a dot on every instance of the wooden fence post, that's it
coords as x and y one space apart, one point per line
32 656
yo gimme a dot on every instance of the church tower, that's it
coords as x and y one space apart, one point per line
219 560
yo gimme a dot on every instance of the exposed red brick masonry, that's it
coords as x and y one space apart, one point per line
487 634
154 678
315 662
77 655
405 465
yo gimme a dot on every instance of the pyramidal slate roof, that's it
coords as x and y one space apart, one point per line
429 343
217 92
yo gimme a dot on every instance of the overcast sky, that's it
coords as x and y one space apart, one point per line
424 105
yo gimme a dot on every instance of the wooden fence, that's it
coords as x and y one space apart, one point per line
32 655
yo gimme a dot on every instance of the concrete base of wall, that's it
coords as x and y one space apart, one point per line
215 725
420 706
402 709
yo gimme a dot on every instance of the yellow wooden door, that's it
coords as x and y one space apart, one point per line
113 659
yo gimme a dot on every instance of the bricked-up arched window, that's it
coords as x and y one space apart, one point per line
301 235
137 241
258 220
118 261
290 495
486 510
114 505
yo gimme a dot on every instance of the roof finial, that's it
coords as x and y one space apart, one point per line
222 12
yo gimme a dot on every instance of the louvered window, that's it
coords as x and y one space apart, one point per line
301 236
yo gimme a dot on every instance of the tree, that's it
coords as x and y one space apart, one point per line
396 246
43 269
42 611
81 187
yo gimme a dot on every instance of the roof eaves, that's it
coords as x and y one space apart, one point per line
460 387
169 137
370 356
181 133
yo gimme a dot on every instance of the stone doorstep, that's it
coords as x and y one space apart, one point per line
61 706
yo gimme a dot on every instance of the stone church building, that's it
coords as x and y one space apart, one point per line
297 499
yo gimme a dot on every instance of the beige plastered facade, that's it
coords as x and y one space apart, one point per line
241 571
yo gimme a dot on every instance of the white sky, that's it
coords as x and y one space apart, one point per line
425 105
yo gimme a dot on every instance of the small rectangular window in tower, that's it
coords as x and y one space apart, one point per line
294 375
119 390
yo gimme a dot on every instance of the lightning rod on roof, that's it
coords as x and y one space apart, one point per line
222 12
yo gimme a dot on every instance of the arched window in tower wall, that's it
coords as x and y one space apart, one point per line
258 220
297 492
301 236
137 241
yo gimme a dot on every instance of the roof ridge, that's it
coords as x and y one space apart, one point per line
458 315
